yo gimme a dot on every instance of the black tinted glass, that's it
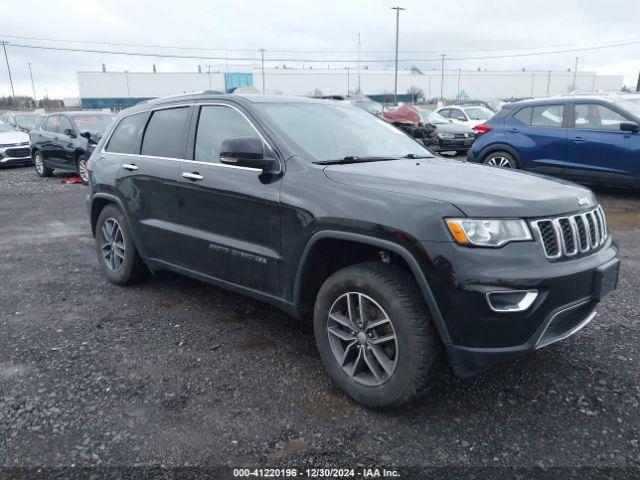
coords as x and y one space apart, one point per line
163 136
125 136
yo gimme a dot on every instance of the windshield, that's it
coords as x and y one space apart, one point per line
94 124
371 107
28 121
332 132
478 113
433 117
5 127
631 105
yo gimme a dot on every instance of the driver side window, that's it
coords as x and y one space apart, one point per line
591 116
65 125
217 123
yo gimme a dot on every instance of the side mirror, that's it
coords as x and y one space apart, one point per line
70 132
86 135
629 127
245 152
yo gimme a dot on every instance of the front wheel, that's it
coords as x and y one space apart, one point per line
41 167
375 336
501 159
117 254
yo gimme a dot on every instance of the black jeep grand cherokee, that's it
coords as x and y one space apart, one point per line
401 257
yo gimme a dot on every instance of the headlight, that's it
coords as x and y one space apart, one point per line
488 233
447 136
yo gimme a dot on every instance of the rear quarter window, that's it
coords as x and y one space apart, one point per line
126 135
524 115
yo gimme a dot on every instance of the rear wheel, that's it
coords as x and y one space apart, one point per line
41 167
83 173
117 255
501 159
375 336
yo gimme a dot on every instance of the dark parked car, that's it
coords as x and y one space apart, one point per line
64 141
329 212
587 139
449 136
24 121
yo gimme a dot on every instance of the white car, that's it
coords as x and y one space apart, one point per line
470 116
14 146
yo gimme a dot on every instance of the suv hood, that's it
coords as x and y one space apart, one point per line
477 190
7 138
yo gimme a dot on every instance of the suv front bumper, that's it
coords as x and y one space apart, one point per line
568 293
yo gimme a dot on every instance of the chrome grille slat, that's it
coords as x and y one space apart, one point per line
570 235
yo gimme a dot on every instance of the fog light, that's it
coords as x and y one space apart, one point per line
511 300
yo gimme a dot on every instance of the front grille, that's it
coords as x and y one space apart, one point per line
17 152
570 235
462 136
566 322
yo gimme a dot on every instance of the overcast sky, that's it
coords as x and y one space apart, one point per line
458 28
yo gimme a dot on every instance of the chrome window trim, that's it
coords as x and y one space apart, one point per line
197 162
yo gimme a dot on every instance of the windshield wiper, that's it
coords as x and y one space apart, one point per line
414 156
353 159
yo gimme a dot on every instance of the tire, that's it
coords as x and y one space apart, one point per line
413 358
500 159
40 165
81 165
117 255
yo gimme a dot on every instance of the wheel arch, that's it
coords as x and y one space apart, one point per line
306 285
498 147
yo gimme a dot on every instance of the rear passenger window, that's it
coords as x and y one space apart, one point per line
125 137
163 136
547 116
216 124
524 115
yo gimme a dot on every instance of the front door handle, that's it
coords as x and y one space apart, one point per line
513 130
195 176
578 139
130 166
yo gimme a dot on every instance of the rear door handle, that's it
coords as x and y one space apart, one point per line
578 139
513 130
129 166
195 176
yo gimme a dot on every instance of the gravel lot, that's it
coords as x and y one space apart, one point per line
178 373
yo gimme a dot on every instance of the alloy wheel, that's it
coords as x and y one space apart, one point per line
362 339
39 163
112 244
499 161
82 170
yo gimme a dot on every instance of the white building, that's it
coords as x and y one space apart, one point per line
119 89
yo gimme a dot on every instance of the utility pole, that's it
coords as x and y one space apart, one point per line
262 50
4 47
348 80
638 85
533 77
548 82
575 72
32 85
395 83
458 95
209 74
359 68
442 80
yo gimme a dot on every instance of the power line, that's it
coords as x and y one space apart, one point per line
335 51
316 60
